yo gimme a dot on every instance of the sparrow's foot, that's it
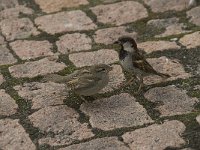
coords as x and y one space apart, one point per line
128 82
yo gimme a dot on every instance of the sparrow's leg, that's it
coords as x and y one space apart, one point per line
141 84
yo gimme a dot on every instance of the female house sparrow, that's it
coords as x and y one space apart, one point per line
86 81
133 61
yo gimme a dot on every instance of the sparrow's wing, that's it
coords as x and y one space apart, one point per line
84 81
140 62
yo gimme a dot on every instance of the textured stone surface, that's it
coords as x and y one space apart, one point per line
156 137
116 112
116 78
110 35
62 121
5 4
1 79
53 6
120 13
193 14
31 49
7 104
18 28
171 26
168 66
191 40
174 101
104 56
107 143
13 136
15 12
151 46
65 21
36 68
166 5
42 94
5 56
2 40
73 43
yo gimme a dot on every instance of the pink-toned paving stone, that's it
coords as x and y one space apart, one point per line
103 56
65 21
50 6
76 42
31 49
193 14
6 57
116 78
198 119
110 35
171 67
17 28
5 4
107 143
118 111
174 101
2 40
13 136
7 104
152 46
172 26
63 122
1 79
156 137
120 13
36 68
15 12
191 40
167 5
42 94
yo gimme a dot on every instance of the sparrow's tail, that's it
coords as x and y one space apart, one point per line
163 75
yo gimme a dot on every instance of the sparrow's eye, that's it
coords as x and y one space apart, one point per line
101 69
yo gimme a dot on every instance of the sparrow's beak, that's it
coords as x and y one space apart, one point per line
110 68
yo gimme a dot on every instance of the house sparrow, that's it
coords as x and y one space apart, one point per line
133 61
86 81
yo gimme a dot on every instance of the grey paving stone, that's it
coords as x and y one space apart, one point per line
103 56
42 94
152 46
7 104
65 21
168 66
13 136
172 26
116 78
2 40
15 12
50 6
193 14
166 5
36 68
107 143
76 42
62 121
173 101
6 57
120 13
1 79
191 40
156 137
5 4
116 112
27 49
110 35
17 28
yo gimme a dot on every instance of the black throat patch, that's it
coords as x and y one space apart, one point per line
122 54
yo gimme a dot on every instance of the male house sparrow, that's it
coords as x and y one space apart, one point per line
86 81
133 61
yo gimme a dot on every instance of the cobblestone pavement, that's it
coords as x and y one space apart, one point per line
39 37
